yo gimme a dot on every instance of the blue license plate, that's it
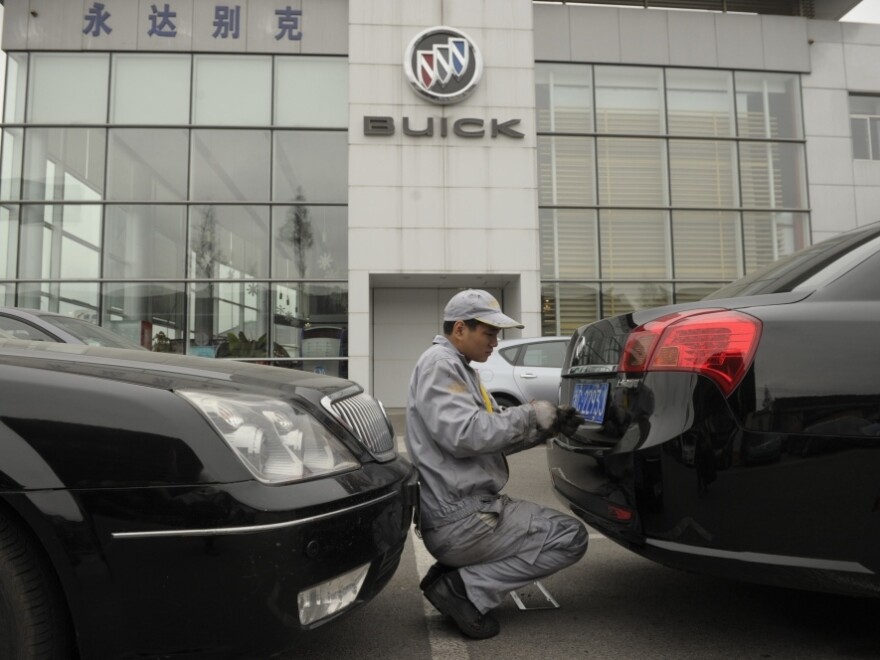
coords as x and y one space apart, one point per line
589 399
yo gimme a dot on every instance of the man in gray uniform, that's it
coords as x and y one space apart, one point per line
486 543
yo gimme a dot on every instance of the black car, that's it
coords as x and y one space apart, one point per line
740 435
155 505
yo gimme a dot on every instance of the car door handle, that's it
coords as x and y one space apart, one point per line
528 375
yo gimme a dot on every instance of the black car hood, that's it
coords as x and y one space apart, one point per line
170 371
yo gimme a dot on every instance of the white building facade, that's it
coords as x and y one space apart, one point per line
264 180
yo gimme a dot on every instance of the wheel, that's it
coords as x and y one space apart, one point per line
33 620
504 400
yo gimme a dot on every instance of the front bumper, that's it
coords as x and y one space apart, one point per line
219 569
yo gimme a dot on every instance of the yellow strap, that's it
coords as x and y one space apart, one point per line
486 398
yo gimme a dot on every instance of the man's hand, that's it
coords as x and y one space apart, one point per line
568 420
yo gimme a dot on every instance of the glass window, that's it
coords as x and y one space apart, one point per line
60 241
232 90
148 165
632 172
150 314
230 165
635 244
768 105
64 163
150 88
707 245
569 247
703 173
564 98
77 299
773 175
16 84
566 171
229 242
8 241
767 236
865 124
311 323
688 292
565 306
310 242
311 91
700 102
10 167
145 241
310 166
229 319
629 100
549 354
68 88
624 297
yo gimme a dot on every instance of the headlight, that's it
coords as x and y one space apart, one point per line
276 441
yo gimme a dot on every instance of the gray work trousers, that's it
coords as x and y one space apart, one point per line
506 545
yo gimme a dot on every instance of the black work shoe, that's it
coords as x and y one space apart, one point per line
437 569
443 596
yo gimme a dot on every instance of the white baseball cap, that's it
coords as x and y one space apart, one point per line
478 305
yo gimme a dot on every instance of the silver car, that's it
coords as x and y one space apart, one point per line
40 325
522 370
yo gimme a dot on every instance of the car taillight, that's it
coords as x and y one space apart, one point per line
720 344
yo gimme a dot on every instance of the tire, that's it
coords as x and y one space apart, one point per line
33 620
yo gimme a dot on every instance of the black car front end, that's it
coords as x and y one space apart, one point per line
174 527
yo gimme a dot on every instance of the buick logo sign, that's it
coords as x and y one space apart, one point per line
443 65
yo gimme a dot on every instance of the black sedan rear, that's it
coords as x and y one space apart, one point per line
739 436
154 505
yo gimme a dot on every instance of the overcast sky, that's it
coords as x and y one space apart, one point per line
867 11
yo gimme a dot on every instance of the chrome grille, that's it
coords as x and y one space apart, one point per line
366 419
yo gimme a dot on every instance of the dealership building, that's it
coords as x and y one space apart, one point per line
309 181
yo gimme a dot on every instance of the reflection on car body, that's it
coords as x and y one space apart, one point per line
741 433
165 505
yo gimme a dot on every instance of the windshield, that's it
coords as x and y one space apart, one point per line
808 269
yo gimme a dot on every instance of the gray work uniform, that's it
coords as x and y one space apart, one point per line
459 448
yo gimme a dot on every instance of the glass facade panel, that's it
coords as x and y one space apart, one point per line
311 92
151 314
229 242
310 242
150 88
624 297
632 172
700 102
230 165
703 173
635 244
773 175
145 242
229 319
16 86
566 170
10 166
68 88
569 246
564 98
565 306
64 164
8 241
629 100
864 111
77 299
232 90
311 325
768 105
60 241
767 236
148 165
311 167
707 245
